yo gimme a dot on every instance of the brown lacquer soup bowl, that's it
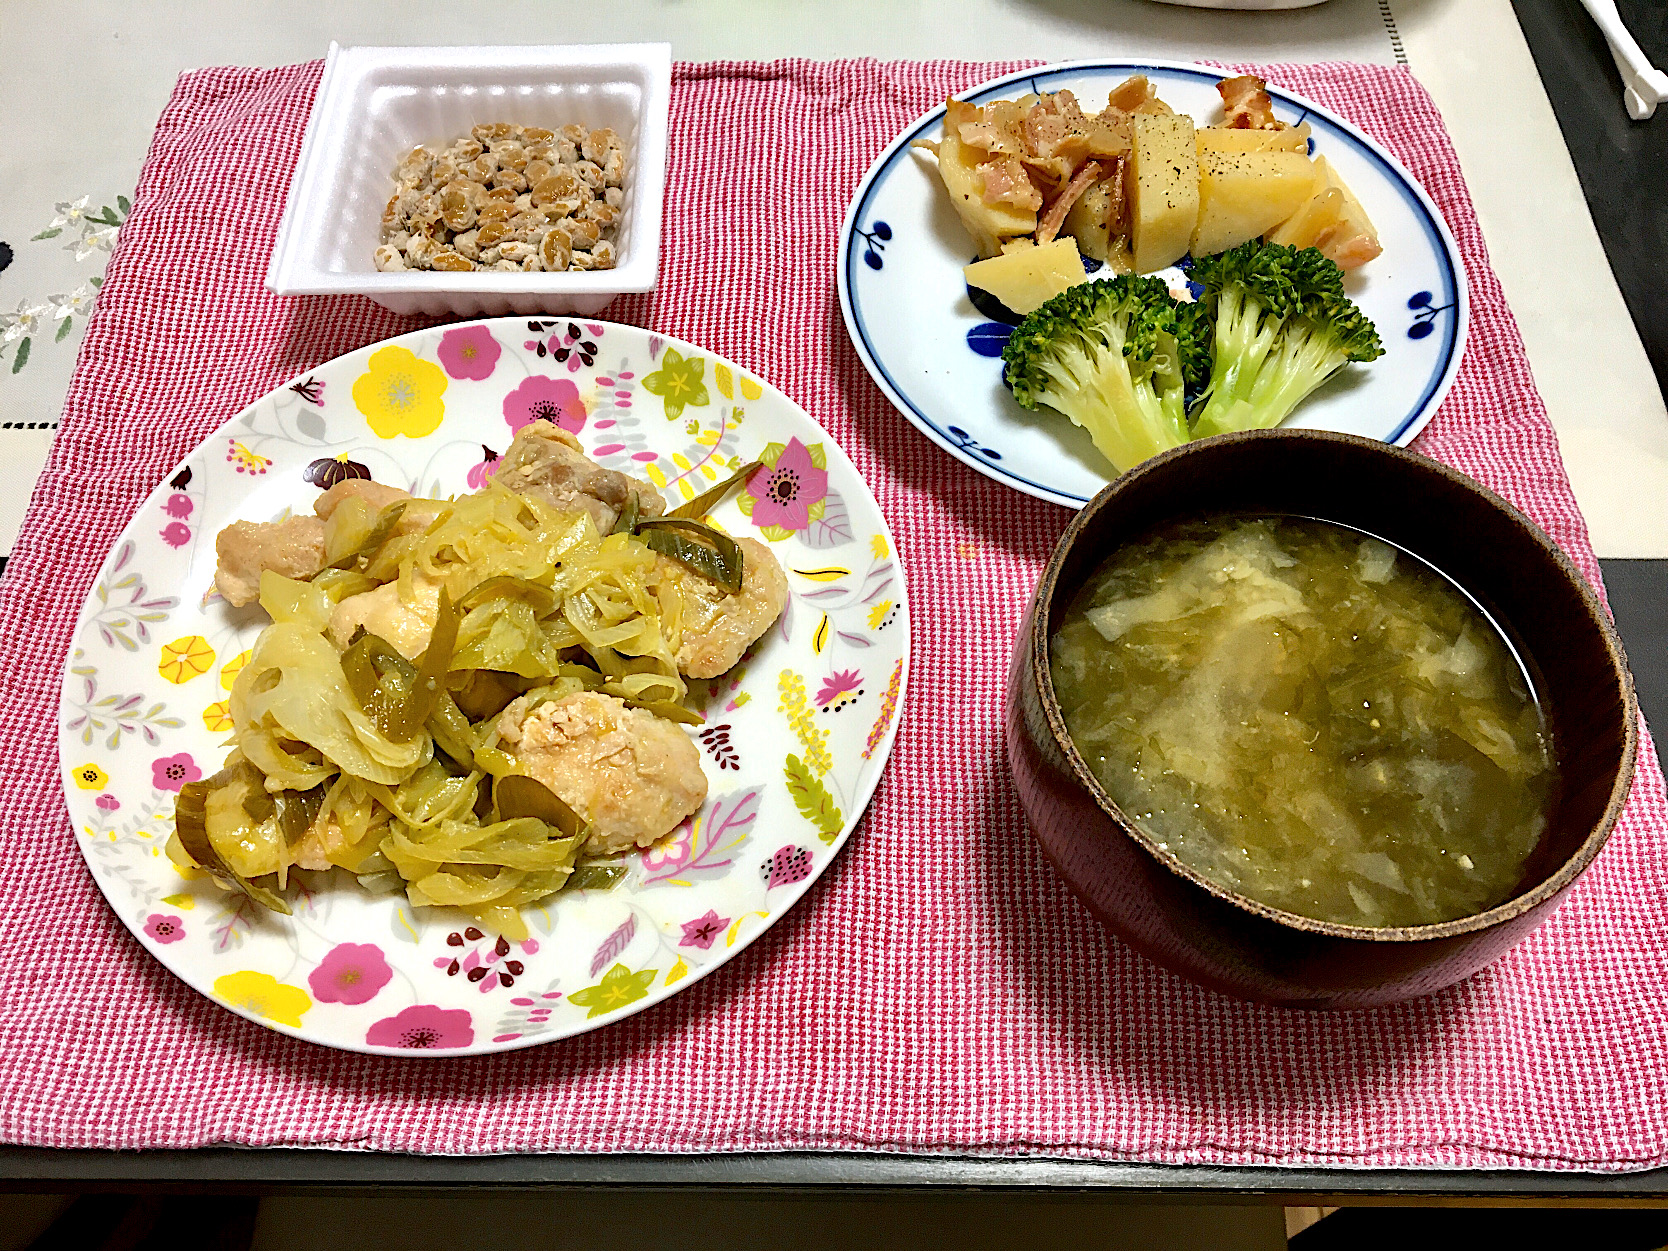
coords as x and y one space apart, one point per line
1206 932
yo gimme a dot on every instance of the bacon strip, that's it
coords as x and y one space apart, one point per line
1006 182
1245 103
1080 182
1131 92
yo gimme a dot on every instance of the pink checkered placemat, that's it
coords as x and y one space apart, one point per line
938 990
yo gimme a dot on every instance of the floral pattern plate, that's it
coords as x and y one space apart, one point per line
935 352
794 741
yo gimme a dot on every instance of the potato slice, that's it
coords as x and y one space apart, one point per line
989 224
1162 181
1236 139
1243 194
1026 278
1091 220
1333 221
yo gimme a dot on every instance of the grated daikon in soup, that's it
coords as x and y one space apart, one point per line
1308 716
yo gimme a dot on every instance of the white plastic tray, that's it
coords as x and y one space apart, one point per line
375 104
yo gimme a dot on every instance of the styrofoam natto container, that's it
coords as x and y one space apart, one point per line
375 104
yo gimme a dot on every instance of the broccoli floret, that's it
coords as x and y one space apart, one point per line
1114 356
1279 325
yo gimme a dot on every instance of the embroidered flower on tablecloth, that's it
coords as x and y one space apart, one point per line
164 928
469 352
702 930
93 239
89 777
788 491
545 399
263 995
77 303
424 1027
678 382
400 394
350 973
172 772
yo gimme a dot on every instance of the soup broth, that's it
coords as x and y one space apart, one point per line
1310 717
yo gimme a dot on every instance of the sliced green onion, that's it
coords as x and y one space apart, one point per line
427 686
297 810
517 795
627 522
709 552
595 876
372 543
191 826
541 598
670 709
709 499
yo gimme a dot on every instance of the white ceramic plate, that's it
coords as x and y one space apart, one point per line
793 746
938 357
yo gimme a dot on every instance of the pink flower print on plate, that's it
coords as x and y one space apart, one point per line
783 493
702 930
842 688
350 973
164 927
107 802
175 534
545 399
469 352
671 852
178 505
424 1027
481 474
172 772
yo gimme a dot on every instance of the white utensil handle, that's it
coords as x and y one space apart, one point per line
1643 85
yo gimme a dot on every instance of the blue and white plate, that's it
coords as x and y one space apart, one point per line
938 357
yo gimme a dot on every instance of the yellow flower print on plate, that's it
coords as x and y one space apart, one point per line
400 394
229 670
89 777
186 658
264 995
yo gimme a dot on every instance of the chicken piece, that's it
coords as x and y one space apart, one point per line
293 547
405 627
545 462
1246 104
632 775
377 497
719 627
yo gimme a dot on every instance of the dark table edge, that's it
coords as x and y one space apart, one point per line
316 1172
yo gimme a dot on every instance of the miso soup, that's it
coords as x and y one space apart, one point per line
1310 717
